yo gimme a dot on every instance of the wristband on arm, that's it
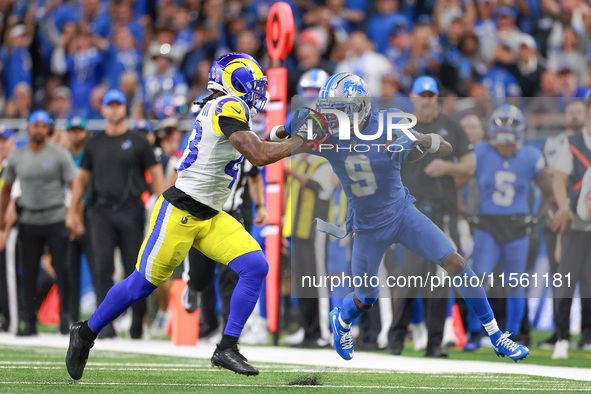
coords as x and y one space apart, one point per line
435 143
275 137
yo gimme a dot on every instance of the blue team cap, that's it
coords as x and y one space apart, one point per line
507 11
114 95
40 116
5 132
425 84
143 125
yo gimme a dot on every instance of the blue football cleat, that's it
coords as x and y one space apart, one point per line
504 346
343 339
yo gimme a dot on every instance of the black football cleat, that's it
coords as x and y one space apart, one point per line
77 352
234 361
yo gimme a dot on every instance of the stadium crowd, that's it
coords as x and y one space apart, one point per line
63 56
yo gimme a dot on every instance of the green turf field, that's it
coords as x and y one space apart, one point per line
34 369
576 357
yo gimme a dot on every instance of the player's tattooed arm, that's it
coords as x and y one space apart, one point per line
260 152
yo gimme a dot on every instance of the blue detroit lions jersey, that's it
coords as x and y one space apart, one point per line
504 183
370 179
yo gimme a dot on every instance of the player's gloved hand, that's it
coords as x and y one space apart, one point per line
301 120
400 146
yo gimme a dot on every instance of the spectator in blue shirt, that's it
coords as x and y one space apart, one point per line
95 103
122 56
501 84
17 64
349 18
463 66
162 85
184 35
83 65
425 55
123 17
90 13
485 29
384 21
570 87
398 52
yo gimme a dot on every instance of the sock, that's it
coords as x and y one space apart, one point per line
350 311
227 342
474 325
119 298
345 325
86 333
475 296
252 268
491 327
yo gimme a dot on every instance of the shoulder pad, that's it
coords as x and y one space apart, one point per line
232 107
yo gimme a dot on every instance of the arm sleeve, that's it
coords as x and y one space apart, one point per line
585 190
231 125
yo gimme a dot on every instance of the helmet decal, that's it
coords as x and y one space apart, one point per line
239 75
350 88
345 92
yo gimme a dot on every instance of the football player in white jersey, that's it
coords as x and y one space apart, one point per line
190 212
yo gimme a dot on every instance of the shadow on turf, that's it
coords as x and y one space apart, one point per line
311 380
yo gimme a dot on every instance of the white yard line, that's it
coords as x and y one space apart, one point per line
315 388
314 357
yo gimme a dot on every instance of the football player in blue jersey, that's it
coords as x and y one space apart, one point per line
504 171
381 210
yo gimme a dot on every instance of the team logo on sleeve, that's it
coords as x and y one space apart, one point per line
125 145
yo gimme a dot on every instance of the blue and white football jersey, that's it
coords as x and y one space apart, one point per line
370 179
504 183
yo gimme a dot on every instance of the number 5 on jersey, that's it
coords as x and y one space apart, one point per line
505 190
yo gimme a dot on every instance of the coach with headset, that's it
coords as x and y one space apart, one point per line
42 169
